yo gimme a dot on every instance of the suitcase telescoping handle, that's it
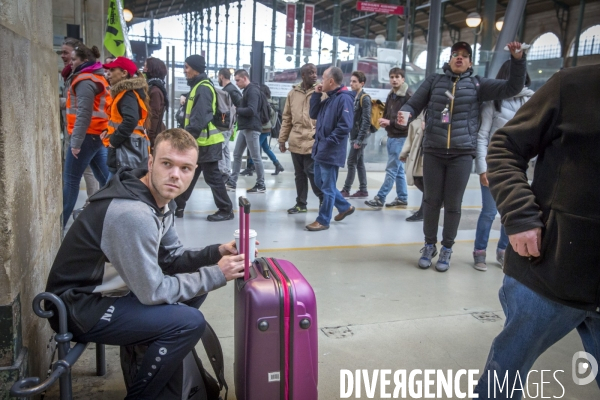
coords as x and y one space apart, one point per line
245 233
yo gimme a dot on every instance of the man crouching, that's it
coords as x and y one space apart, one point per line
123 273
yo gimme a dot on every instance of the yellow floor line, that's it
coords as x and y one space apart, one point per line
356 246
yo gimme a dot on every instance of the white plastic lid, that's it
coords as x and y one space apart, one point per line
236 234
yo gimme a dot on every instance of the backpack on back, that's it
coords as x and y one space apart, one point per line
377 107
264 110
225 116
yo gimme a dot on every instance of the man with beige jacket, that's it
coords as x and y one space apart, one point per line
299 130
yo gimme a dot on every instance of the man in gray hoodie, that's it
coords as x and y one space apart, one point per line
124 275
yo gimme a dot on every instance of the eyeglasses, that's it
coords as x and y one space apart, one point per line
463 55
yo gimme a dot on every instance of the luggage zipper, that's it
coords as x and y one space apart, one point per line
451 111
287 322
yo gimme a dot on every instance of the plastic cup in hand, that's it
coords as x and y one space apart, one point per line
405 117
252 251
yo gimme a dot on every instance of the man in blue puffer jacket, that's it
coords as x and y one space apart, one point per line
334 117
453 102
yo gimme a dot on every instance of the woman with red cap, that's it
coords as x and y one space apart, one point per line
128 114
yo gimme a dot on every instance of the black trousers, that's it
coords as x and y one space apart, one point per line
213 178
304 171
356 162
445 179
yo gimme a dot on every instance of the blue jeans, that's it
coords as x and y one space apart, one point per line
93 153
394 171
533 324
326 179
264 144
485 221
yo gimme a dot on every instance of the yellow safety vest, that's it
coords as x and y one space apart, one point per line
211 135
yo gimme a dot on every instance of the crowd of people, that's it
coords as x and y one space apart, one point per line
141 177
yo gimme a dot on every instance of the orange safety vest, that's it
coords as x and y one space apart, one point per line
102 102
116 119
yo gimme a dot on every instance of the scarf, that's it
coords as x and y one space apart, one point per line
159 83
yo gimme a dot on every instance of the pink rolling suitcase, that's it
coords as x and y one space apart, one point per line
275 325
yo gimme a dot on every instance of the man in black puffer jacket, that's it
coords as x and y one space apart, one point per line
450 140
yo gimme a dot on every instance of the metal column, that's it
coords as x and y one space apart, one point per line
237 60
172 101
512 19
299 41
392 24
577 35
217 15
273 31
433 37
488 21
253 21
226 32
169 84
208 29
336 31
405 40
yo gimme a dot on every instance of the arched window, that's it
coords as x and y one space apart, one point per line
421 61
545 47
589 42
444 56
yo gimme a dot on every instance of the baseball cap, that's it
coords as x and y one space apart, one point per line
124 63
462 45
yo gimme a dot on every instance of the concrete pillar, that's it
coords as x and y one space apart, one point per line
30 182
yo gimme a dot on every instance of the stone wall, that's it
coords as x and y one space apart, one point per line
30 175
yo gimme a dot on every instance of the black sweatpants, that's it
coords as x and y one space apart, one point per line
304 171
445 179
213 178
171 331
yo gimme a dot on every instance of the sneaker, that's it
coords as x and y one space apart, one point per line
360 194
230 186
345 193
429 251
297 210
443 262
375 203
479 260
500 257
218 217
179 213
416 217
257 189
397 203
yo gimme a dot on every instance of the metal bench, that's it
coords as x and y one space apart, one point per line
67 355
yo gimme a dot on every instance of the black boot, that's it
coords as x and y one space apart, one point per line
278 169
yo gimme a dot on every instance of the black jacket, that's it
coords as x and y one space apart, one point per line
559 124
234 93
393 103
461 138
201 115
361 126
249 109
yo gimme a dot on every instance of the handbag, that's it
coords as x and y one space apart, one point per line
133 152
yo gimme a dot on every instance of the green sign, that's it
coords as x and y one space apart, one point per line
114 40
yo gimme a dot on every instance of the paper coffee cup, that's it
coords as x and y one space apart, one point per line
406 116
252 251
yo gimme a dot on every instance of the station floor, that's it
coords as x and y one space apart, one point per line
376 309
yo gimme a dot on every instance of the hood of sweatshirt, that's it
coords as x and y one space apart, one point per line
127 184
526 92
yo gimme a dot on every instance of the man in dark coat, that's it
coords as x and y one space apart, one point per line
552 277
453 100
334 117
198 122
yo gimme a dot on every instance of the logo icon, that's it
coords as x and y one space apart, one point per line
584 363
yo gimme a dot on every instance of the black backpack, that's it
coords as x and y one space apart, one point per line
191 380
264 110
277 127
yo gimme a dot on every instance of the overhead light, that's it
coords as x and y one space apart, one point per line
500 23
380 39
473 20
127 15
290 1
345 52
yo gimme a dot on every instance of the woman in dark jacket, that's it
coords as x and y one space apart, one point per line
156 71
453 102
